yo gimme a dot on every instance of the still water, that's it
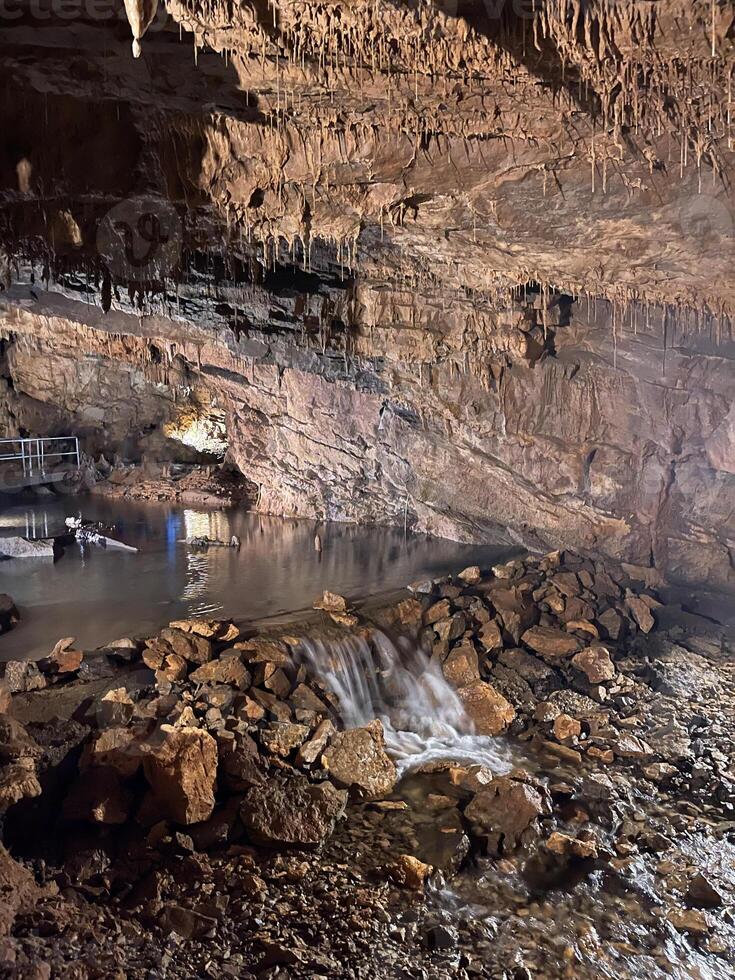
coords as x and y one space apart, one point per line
98 595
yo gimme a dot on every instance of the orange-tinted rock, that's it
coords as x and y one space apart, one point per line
487 708
550 642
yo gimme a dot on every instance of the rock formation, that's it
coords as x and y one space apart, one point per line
463 267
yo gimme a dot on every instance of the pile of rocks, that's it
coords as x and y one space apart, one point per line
200 753
532 649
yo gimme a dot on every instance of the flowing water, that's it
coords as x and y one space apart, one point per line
423 718
97 595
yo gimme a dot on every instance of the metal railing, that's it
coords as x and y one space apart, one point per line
37 456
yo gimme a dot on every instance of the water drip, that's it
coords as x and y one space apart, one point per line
397 683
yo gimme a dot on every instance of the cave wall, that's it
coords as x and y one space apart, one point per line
593 438
463 267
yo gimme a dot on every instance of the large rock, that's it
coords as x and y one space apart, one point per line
292 812
181 771
504 811
487 708
357 759
461 666
549 642
595 663
17 547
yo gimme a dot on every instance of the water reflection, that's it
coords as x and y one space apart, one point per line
97 595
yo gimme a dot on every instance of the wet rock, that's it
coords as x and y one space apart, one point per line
461 666
63 659
224 670
566 846
700 891
488 709
357 760
408 872
292 812
21 676
491 636
504 811
690 920
440 610
566 727
193 648
240 765
332 603
282 738
210 629
181 771
550 642
311 750
595 663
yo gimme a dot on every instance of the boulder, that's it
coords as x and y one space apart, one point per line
282 738
357 760
408 872
491 636
487 708
641 613
292 812
63 659
181 770
595 663
196 649
311 750
471 575
550 642
224 670
461 666
22 676
16 547
504 811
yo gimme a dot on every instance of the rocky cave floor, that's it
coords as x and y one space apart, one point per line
187 805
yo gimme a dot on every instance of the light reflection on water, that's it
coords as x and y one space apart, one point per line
97 595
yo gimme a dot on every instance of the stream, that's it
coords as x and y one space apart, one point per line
98 595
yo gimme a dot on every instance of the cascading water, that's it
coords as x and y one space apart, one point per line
423 718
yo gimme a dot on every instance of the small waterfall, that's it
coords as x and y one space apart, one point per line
423 718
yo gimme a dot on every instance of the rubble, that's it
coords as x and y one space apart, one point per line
237 747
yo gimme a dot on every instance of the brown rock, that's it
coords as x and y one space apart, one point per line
303 697
702 892
550 642
566 846
292 812
240 765
63 659
504 811
357 759
181 771
641 613
461 666
612 623
120 748
331 602
172 669
195 649
210 629
115 708
566 727
630 747
584 626
440 610
282 738
18 781
311 750
265 652
408 872
491 636
596 663
471 575
451 629
22 676
9 614
224 670
488 709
